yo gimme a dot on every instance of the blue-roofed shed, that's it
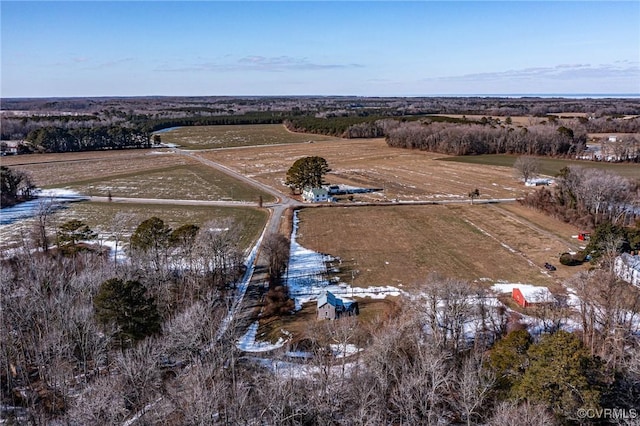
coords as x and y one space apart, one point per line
332 307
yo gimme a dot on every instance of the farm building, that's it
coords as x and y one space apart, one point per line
532 296
627 268
315 195
539 182
584 235
9 147
331 307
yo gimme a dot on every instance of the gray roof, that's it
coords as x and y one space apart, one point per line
317 191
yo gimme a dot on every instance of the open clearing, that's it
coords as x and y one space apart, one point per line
54 170
135 173
401 245
101 218
206 137
404 175
185 182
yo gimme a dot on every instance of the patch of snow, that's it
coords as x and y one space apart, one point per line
299 354
161 152
248 342
531 292
54 197
342 350
117 255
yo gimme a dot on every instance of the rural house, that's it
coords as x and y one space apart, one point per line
532 296
315 195
627 268
331 307
9 147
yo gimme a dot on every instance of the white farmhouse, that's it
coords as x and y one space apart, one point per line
627 268
315 195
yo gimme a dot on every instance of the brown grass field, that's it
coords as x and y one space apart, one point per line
134 173
206 137
401 245
54 170
404 175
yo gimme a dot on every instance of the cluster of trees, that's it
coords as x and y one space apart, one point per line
75 319
345 127
152 125
15 186
588 197
476 139
307 172
59 139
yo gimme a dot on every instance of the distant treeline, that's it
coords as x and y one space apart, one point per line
475 139
334 126
356 126
153 125
58 139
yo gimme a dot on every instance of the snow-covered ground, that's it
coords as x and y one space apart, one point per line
248 342
241 289
56 197
118 255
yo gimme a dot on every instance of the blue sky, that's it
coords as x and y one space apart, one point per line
381 48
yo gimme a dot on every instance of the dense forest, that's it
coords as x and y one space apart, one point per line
58 139
482 139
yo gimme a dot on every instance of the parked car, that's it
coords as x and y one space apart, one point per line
549 266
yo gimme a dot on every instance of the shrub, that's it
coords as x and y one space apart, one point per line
569 259
278 302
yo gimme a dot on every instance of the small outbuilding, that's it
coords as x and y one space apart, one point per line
584 235
531 296
332 307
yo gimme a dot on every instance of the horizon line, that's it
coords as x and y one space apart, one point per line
440 95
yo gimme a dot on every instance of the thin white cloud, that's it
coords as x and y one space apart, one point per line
87 63
620 69
260 63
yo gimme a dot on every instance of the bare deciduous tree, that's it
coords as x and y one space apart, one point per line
527 167
276 249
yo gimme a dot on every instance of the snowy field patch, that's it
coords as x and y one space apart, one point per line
52 198
248 342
